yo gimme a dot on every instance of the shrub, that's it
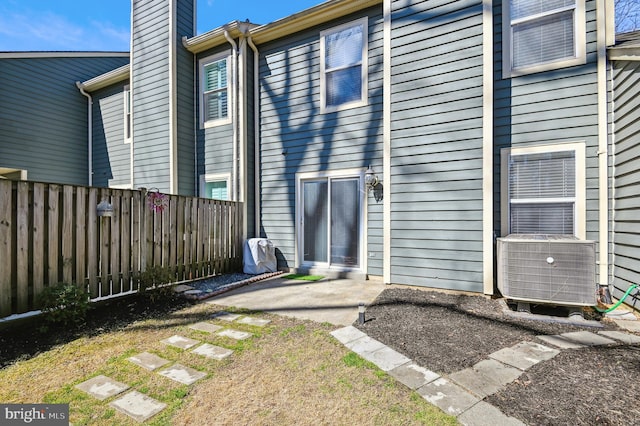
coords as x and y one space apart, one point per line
64 303
154 282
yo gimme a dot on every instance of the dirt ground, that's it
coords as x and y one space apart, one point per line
447 333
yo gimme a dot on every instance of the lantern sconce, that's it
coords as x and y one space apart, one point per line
372 183
105 209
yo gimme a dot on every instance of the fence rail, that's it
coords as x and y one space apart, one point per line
51 233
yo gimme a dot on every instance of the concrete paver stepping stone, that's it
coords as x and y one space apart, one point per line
524 355
102 387
257 322
182 288
182 374
148 360
385 358
483 414
347 334
561 341
449 397
621 314
364 344
412 375
486 377
212 351
628 338
225 316
235 334
138 406
588 339
207 327
633 326
180 342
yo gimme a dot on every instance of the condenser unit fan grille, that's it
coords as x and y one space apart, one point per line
547 269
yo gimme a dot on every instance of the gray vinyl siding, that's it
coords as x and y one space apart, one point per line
436 148
297 138
43 115
187 182
550 107
215 144
150 86
111 155
627 178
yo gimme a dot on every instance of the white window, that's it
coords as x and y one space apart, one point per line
127 114
214 83
343 66
215 186
540 35
543 190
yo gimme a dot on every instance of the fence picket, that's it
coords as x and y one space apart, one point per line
37 252
93 249
67 233
6 224
105 243
81 236
53 240
114 246
125 240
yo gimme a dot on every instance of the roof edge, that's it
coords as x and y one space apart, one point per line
107 79
61 54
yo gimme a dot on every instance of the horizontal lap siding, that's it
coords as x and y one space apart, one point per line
549 107
627 178
150 85
111 155
296 138
43 115
436 144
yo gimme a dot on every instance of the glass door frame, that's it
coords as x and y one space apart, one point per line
301 178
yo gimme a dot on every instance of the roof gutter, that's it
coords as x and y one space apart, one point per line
89 130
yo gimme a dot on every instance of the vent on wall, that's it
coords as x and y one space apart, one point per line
555 269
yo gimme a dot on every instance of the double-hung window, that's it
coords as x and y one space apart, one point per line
343 66
214 101
543 190
215 186
539 35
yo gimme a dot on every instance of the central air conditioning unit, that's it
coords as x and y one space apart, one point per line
554 269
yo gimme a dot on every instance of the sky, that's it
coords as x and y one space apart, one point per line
104 25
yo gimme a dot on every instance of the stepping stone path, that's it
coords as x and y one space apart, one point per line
142 407
462 392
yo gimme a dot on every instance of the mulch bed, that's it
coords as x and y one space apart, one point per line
447 333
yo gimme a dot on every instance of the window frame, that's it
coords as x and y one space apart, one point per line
127 116
215 177
202 63
580 42
579 149
363 64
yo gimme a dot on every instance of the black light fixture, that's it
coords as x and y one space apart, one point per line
372 183
370 178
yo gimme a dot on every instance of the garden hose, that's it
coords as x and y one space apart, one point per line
619 301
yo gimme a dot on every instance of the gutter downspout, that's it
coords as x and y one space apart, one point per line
603 188
234 113
89 130
256 134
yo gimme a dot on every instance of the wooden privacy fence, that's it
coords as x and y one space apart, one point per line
51 233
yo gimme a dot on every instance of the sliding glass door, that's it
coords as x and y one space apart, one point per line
331 219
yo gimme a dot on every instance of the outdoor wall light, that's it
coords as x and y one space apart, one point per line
372 183
105 209
370 178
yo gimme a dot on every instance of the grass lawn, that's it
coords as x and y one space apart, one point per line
289 372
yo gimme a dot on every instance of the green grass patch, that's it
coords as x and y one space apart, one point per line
354 360
303 277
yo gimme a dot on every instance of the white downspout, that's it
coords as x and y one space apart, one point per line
256 136
89 130
234 115
603 188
